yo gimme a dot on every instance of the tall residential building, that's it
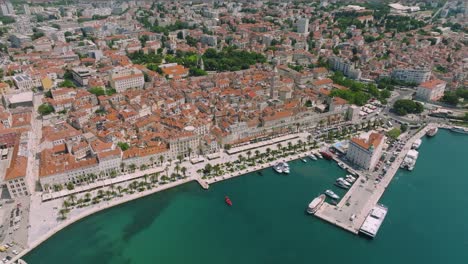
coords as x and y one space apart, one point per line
303 25
122 79
412 75
431 90
6 8
366 153
346 67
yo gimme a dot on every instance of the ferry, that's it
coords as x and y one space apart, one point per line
432 132
312 157
228 201
326 155
315 204
374 220
459 130
331 194
410 160
343 181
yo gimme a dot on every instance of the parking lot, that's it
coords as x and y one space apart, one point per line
14 227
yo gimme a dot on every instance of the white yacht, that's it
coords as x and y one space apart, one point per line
343 181
315 204
318 155
278 168
286 170
331 194
304 160
312 157
341 165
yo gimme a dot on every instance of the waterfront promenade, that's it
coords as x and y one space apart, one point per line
364 194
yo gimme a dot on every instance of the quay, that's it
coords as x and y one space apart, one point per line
353 209
203 184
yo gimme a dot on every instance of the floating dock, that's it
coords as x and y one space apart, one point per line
374 220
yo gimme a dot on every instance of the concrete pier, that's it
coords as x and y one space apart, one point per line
203 183
364 194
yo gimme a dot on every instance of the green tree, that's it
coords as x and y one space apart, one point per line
67 83
123 146
45 109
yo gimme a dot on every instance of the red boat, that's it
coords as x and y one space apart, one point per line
228 201
326 155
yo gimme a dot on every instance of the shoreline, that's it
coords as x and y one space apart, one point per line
69 221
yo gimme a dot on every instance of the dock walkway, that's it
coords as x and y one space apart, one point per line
363 195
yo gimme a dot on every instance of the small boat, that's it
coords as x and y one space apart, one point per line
342 185
228 201
315 204
331 194
431 132
350 178
304 160
278 168
312 157
343 181
318 155
326 155
286 170
341 165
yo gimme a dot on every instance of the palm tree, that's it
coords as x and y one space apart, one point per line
113 173
87 196
62 213
132 167
122 166
299 142
309 138
183 170
257 153
145 177
240 157
173 176
189 151
119 188
100 193
279 146
72 198
314 143
66 204
268 150
248 154
108 193
161 159
166 169
289 145
152 161
180 158
177 168
112 187
143 167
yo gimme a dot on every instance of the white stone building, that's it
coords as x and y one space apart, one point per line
431 90
122 79
366 153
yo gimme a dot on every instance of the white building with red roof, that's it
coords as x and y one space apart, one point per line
365 153
431 90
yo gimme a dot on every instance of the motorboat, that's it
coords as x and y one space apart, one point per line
286 170
331 194
312 157
350 178
341 165
278 168
432 132
343 181
228 201
315 204
318 155
341 185
326 155
304 160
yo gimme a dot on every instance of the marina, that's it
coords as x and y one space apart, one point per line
352 210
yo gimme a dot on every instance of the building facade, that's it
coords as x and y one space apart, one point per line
122 79
366 153
412 75
431 90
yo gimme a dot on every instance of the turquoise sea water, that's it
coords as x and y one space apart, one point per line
427 220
